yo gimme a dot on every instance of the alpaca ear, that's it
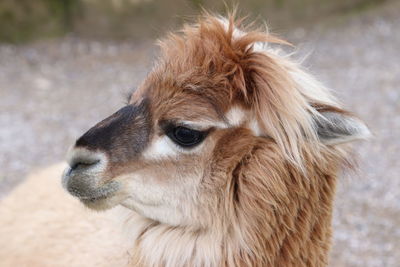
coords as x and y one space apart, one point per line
337 128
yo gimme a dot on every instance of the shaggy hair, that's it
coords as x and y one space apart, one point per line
258 191
234 67
267 199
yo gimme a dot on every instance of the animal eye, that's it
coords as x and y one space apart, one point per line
185 137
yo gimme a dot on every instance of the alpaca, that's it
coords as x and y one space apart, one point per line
226 155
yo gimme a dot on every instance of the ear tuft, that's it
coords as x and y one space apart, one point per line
335 128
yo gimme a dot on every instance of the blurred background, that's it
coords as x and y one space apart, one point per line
66 64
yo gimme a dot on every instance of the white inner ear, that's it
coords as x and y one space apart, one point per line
339 129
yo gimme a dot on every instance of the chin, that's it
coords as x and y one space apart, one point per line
103 203
158 213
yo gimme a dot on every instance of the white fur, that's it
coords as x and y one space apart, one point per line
255 127
235 116
161 147
203 125
203 250
361 131
237 33
164 197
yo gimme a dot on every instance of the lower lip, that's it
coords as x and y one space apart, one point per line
91 200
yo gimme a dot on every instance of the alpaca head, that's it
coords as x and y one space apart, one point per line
221 109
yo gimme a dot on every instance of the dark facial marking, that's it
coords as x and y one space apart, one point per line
123 135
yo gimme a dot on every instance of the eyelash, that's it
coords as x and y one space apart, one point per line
172 131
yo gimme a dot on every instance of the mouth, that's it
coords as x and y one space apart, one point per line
102 201
86 179
99 203
93 199
90 191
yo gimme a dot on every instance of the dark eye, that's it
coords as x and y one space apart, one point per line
185 137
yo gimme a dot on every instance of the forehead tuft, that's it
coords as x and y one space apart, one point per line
224 65
186 106
208 59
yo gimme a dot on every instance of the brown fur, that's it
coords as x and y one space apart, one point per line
246 196
270 213
207 60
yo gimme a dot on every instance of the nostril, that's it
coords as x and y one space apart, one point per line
81 159
83 164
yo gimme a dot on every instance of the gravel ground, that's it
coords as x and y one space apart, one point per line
50 92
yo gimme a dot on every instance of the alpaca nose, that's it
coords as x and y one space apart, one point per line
85 172
83 164
82 161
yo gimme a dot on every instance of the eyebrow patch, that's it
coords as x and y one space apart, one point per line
235 116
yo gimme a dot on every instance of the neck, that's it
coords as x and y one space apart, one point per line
296 235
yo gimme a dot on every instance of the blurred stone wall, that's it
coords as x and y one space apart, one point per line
23 20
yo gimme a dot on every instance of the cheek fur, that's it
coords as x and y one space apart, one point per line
160 147
166 192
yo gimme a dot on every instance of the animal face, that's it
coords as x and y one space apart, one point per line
212 103
155 155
